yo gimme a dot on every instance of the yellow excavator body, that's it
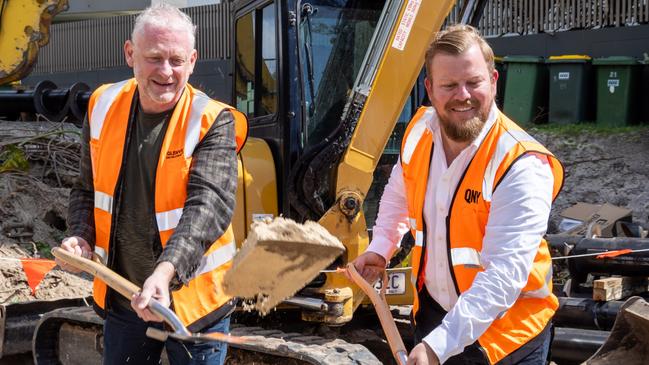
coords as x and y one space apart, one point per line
24 29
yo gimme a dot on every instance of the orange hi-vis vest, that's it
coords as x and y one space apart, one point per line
468 213
194 114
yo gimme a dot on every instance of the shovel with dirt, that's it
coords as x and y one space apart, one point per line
278 258
128 289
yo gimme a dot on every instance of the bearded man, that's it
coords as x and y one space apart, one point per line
475 191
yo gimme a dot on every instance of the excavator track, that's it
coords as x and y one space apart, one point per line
299 348
73 335
68 336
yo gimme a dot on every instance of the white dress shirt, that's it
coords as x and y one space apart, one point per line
518 218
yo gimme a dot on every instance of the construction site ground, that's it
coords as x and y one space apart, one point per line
602 165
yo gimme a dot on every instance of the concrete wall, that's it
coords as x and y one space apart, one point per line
622 41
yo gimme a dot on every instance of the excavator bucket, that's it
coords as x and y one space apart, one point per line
278 258
628 342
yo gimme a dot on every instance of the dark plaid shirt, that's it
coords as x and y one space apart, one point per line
208 208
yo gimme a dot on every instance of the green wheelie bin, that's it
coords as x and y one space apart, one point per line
526 93
571 96
502 76
617 86
643 94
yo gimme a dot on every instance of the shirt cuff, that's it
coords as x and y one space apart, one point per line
178 280
437 340
383 247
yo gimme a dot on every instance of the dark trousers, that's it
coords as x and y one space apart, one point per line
430 315
125 342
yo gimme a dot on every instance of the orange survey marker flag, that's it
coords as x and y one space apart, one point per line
614 253
35 270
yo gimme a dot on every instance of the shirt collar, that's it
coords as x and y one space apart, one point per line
432 122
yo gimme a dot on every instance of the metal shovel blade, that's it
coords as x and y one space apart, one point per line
628 342
279 258
161 335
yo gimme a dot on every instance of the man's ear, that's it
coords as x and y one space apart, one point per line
494 77
192 60
128 52
428 84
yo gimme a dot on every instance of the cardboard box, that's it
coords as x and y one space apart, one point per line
584 215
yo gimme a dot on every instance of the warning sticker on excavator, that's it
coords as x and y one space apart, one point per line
396 284
405 26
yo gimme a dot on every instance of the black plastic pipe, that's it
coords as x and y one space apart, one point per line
586 313
574 346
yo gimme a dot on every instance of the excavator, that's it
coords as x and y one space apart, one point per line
327 86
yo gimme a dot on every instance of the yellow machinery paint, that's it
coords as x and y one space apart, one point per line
257 187
25 28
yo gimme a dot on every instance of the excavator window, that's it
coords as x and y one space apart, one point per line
333 38
256 77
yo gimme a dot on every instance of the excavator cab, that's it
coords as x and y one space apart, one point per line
295 66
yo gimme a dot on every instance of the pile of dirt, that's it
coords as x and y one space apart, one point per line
601 166
37 162
32 215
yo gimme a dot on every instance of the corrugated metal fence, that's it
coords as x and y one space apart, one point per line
502 17
97 44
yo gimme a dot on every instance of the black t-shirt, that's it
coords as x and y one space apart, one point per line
136 240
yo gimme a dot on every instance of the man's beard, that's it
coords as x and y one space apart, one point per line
466 131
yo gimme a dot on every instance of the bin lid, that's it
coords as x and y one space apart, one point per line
616 60
569 58
523 59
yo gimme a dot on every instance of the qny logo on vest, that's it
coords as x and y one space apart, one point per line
175 154
471 196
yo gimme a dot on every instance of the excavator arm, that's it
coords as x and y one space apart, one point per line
391 66
24 28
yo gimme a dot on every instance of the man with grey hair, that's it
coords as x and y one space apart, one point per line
156 193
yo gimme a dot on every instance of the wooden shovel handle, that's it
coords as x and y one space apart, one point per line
111 278
385 316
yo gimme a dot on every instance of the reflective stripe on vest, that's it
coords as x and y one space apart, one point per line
465 256
104 202
506 142
193 134
102 254
169 219
216 259
103 103
415 135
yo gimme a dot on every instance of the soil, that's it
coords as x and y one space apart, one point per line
32 215
609 166
277 259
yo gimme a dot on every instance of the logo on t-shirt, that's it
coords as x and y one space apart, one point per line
175 154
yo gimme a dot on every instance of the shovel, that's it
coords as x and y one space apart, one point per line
128 289
383 311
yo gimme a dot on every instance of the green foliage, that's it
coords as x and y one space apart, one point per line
44 250
12 158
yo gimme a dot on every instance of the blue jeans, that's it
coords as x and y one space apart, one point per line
125 342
